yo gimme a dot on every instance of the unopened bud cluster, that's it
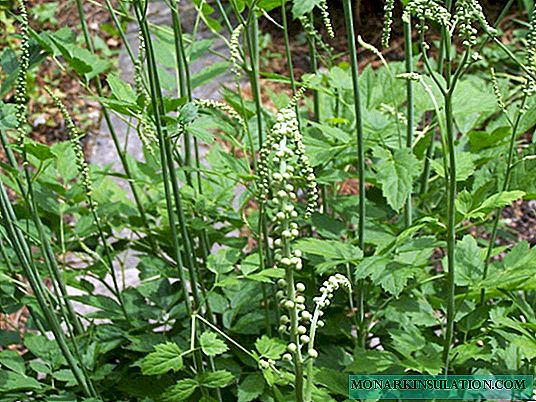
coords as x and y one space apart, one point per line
530 85
283 162
74 137
467 13
295 320
497 90
21 86
222 107
427 10
387 22
146 128
287 304
234 50
328 289
305 324
393 112
409 76
326 18
310 30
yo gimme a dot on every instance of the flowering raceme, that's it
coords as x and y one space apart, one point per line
283 161
283 165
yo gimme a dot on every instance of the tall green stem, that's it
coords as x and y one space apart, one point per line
288 52
451 81
314 69
408 43
157 110
349 21
22 250
505 186
451 231
183 78
252 35
294 322
169 177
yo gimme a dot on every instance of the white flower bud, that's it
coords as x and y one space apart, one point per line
305 315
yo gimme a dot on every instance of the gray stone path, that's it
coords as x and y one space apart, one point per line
103 150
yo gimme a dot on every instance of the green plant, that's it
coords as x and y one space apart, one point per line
388 181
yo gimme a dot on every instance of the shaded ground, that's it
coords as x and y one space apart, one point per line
46 121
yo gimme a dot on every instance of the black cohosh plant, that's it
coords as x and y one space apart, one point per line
282 159
388 181
283 166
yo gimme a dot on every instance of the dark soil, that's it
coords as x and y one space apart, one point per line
369 15
45 119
